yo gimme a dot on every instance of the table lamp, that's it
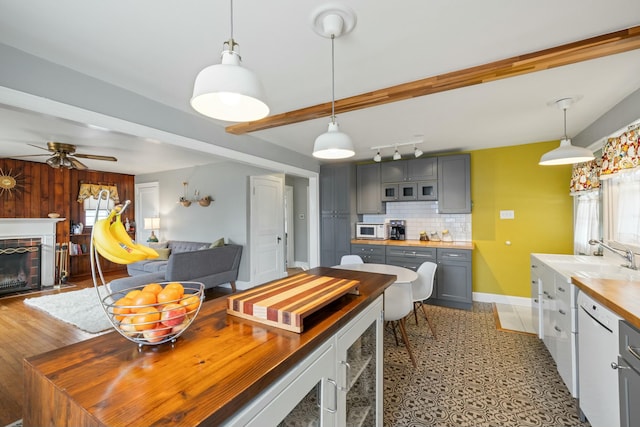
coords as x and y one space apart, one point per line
152 224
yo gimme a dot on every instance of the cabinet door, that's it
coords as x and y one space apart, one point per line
454 184
335 188
408 191
310 399
359 370
549 307
629 388
390 192
454 281
422 169
428 190
395 171
368 189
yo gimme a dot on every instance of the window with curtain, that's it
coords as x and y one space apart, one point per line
587 221
622 204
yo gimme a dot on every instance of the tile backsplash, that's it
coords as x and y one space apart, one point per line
424 216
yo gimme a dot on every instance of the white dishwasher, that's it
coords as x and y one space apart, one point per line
597 349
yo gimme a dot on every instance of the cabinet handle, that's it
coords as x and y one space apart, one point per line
633 351
614 365
534 266
335 396
560 288
561 311
346 377
557 329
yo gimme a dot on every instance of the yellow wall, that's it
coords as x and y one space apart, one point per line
509 178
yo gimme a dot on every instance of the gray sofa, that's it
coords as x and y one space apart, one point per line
187 261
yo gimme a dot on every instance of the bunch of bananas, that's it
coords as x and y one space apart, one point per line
112 241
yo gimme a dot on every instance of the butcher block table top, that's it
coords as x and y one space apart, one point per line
216 366
620 296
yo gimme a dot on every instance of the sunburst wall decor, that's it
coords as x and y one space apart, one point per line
10 183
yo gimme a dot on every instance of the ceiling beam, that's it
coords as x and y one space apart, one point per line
571 53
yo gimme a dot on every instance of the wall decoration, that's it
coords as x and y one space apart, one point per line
10 183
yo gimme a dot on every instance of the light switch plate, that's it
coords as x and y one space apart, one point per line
507 214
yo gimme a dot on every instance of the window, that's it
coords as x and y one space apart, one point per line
587 221
622 208
91 207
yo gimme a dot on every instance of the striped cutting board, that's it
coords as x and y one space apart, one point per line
286 302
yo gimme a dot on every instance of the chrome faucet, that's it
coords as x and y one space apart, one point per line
625 253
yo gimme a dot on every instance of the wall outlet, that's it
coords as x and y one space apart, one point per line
507 214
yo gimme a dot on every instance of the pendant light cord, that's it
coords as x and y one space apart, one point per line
565 123
333 81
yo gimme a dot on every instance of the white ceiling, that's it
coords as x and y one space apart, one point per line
156 47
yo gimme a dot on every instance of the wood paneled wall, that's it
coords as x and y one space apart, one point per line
42 189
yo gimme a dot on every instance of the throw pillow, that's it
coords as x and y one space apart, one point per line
163 254
158 245
218 243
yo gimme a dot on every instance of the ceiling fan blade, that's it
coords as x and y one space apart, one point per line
29 155
96 157
42 148
77 164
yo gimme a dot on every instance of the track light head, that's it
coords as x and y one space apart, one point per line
377 157
417 152
396 155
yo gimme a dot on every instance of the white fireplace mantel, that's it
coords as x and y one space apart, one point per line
42 228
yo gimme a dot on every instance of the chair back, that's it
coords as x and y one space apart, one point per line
423 286
351 259
398 301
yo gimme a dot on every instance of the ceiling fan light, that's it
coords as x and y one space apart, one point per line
566 154
333 144
54 162
229 92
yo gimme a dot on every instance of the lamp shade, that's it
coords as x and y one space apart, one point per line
566 154
152 223
333 144
228 91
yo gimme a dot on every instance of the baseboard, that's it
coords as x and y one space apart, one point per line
501 299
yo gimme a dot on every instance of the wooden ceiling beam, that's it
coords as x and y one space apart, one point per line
571 53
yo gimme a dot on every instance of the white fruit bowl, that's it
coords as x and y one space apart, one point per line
157 323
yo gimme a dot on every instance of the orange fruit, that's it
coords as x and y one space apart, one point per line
143 299
191 302
119 310
145 319
168 295
154 288
132 294
175 285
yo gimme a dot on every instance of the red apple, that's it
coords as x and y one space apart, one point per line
156 335
182 326
172 314
127 327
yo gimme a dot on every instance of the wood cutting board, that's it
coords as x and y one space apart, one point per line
286 302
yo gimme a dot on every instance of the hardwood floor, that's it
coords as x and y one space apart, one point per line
27 331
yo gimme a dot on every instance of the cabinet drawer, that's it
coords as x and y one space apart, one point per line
461 255
369 253
406 262
420 254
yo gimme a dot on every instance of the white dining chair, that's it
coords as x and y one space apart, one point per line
422 289
351 259
398 302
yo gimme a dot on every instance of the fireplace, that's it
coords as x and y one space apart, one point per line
20 265
34 229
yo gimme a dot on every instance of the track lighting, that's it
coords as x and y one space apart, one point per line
396 154
377 157
417 152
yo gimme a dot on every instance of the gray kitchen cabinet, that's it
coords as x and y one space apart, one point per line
409 256
454 184
368 193
370 253
414 170
338 211
629 374
453 279
428 190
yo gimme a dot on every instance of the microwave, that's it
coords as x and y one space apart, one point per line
372 231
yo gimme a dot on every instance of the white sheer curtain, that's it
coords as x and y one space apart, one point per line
587 222
622 198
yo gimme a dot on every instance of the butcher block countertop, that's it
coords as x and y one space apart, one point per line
620 296
416 243
217 366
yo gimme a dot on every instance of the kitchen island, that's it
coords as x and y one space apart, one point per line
216 368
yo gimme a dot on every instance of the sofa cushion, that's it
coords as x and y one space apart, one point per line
158 245
178 246
218 243
163 254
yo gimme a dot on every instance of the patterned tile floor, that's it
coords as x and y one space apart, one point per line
472 375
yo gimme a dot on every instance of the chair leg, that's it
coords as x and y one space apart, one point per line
393 328
415 314
403 331
433 331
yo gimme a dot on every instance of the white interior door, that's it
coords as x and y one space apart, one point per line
147 206
267 228
289 222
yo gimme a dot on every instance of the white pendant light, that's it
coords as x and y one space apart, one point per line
566 153
228 91
333 144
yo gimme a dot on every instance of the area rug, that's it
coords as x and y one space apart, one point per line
80 308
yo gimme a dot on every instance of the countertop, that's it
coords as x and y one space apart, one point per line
602 278
216 367
416 243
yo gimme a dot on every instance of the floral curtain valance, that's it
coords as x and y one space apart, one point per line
620 153
585 176
92 190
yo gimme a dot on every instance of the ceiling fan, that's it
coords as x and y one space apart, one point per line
65 156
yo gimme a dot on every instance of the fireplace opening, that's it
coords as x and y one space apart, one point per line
20 263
